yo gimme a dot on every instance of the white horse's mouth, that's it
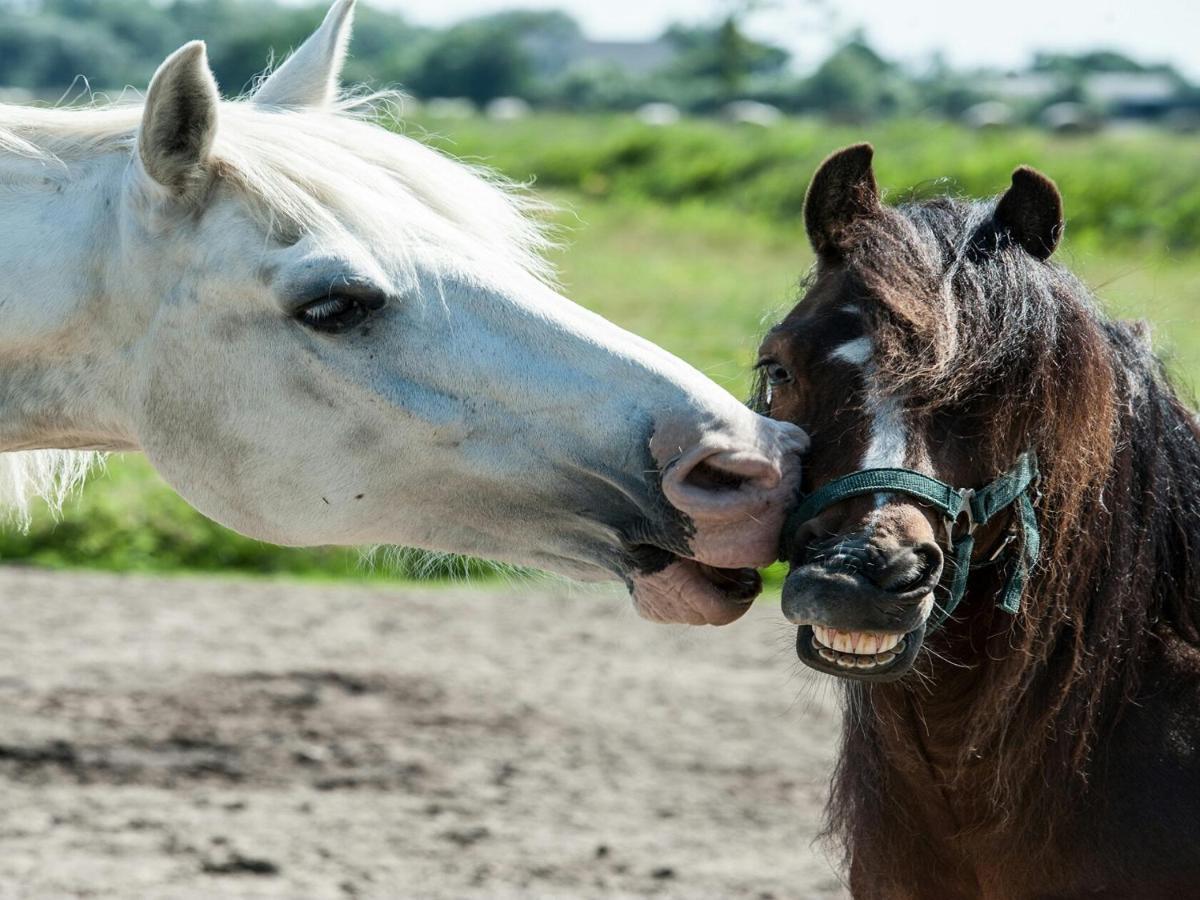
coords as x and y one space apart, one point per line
690 592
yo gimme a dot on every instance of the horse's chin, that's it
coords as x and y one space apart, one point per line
689 592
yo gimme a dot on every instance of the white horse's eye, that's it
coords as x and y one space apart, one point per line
334 314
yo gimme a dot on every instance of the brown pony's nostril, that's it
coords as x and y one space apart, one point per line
904 569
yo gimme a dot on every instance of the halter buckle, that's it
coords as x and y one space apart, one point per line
967 494
1009 539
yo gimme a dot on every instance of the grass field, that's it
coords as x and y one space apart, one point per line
702 275
1124 187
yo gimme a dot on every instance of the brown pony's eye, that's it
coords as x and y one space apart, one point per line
777 373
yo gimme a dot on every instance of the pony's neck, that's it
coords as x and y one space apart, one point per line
60 384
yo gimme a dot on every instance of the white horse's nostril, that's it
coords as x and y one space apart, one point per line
709 476
735 476
712 483
726 471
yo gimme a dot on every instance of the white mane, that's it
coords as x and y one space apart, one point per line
311 169
299 171
49 474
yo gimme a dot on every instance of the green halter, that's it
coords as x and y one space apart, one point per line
1013 488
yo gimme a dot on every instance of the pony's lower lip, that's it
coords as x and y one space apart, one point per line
846 662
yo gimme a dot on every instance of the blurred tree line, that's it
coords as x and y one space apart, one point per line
47 44
540 56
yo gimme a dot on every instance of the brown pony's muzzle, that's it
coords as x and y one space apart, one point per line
862 597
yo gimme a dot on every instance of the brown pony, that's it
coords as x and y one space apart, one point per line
1050 753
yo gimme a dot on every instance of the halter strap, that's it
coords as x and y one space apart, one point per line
980 506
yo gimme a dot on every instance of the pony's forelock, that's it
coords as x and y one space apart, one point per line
966 321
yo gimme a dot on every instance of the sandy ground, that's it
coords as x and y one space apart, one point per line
212 738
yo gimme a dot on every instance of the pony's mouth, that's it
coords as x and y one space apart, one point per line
852 627
859 655
687 591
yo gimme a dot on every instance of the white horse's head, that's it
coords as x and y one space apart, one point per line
322 332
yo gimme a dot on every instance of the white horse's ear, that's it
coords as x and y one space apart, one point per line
309 77
179 121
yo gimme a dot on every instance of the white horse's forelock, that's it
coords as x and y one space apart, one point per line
299 171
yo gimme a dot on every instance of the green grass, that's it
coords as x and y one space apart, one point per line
703 277
1129 187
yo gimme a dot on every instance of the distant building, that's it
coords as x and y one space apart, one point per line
508 109
751 112
1069 118
658 114
635 57
1023 85
1133 95
989 114
1095 97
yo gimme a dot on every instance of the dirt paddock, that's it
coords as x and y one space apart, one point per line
173 738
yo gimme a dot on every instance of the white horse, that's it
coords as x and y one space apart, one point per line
321 332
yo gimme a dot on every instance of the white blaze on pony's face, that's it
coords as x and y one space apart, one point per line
321 332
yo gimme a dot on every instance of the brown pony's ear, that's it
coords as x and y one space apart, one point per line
1032 212
842 192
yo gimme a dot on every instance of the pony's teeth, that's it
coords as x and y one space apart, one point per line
856 649
858 643
888 641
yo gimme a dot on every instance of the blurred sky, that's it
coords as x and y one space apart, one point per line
968 32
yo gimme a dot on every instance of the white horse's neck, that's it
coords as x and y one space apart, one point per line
60 223
63 226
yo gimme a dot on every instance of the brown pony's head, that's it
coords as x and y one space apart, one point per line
930 338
